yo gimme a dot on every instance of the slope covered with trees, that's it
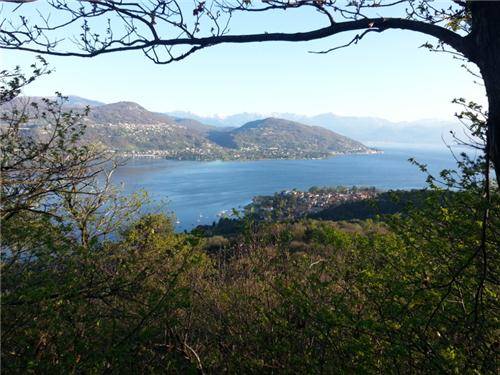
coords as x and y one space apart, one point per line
127 128
283 135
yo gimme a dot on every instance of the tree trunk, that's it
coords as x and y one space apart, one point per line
485 41
493 92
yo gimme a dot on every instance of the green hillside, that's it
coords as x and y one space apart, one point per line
129 128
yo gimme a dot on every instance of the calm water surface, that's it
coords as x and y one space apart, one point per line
197 191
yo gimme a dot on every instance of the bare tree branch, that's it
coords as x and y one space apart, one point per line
148 25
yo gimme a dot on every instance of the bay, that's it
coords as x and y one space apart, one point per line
196 192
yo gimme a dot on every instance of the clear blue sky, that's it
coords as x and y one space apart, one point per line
386 75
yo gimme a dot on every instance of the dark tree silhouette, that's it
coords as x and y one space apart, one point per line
171 30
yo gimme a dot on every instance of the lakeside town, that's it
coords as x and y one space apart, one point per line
296 204
204 154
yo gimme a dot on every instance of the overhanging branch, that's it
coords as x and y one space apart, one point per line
377 24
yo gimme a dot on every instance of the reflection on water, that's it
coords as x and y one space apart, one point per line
198 191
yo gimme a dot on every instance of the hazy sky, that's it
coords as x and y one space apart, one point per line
385 75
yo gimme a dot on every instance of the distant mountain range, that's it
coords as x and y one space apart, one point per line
130 129
127 127
370 130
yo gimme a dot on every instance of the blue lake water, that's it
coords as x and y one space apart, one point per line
197 191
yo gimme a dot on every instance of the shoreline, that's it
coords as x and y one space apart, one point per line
159 157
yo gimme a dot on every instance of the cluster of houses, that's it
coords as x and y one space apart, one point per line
189 153
293 204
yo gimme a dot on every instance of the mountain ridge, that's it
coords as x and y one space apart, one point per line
129 129
180 138
365 129
371 130
281 133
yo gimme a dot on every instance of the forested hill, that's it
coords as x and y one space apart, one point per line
128 128
284 134
130 113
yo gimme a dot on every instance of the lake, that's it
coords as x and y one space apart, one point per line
197 191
